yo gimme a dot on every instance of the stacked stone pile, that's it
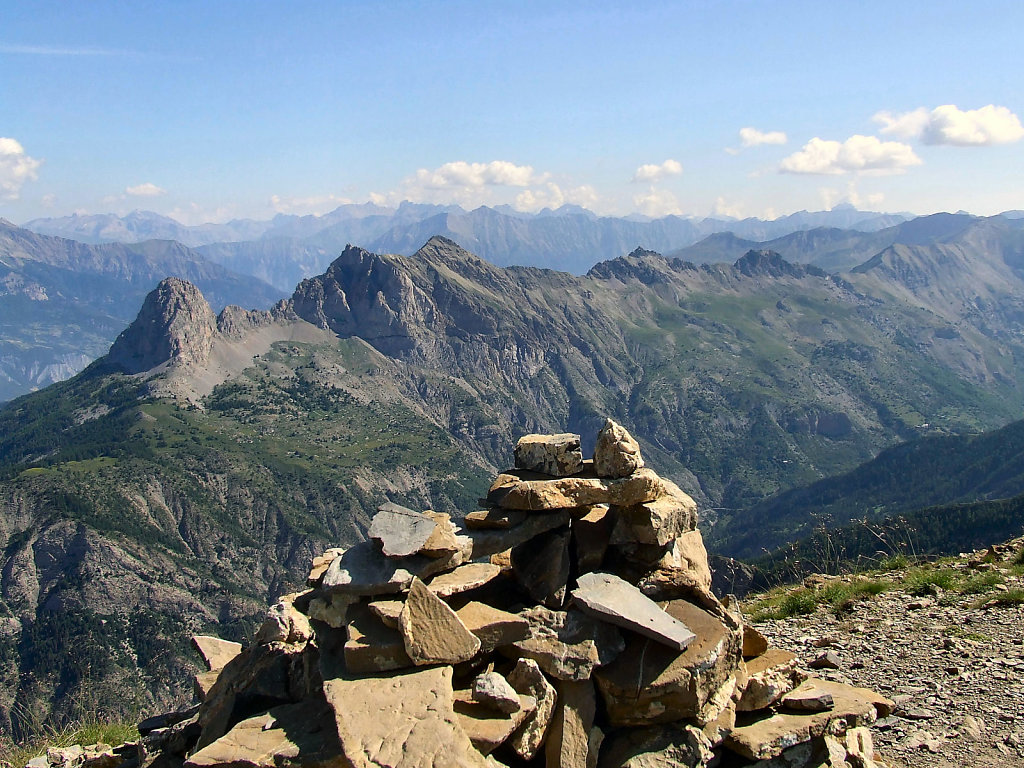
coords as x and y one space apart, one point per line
569 622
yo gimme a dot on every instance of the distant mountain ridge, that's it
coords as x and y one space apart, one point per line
62 302
287 249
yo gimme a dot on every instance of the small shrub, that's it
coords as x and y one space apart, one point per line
981 583
894 563
928 582
1010 597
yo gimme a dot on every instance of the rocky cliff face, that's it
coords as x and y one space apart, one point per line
175 327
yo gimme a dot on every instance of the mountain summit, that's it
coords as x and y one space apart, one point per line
175 326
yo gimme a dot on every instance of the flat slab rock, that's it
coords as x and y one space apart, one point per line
761 736
404 721
432 631
487 728
651 683
294 734
463 579
535 492
401 531
363 570
215 652
492 626
612 599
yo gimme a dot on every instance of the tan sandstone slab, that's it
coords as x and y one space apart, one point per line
617 453
762 736
403 721
651 683
660 521
487 728
492 626
567 645
658 746
463 579
573 741
388 611
770 677
534 492
432 631
295 735
494 518
216 653
611 599
320 565
372 646
364 570
754 643
528 680
494 541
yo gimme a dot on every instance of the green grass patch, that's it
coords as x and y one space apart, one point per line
88 732
981 583
927 581
1010 597
838 595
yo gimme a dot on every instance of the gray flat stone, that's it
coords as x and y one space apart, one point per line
363 570
618 602
401 531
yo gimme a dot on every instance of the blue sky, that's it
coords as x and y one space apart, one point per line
215 110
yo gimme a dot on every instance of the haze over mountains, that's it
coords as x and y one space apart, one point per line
62 302
288 248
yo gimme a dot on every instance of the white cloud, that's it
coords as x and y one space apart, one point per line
462 174
316 204
950 125
16 168
192 214
48 200
832 197
751 137
652 172
550 195
145 190
858 154
723 208
471 185
657 203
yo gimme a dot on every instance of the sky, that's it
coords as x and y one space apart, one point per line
208 111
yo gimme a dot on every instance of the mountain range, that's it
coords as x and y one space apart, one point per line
62 302
288 248
187 476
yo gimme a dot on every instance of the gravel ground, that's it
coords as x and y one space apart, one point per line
956 672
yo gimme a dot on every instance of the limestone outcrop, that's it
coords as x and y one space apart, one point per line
569 623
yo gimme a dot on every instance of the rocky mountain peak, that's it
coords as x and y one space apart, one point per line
175 326
763 263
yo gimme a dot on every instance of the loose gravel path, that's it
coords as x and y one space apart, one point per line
956 672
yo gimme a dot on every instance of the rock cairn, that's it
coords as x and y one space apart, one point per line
569 622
